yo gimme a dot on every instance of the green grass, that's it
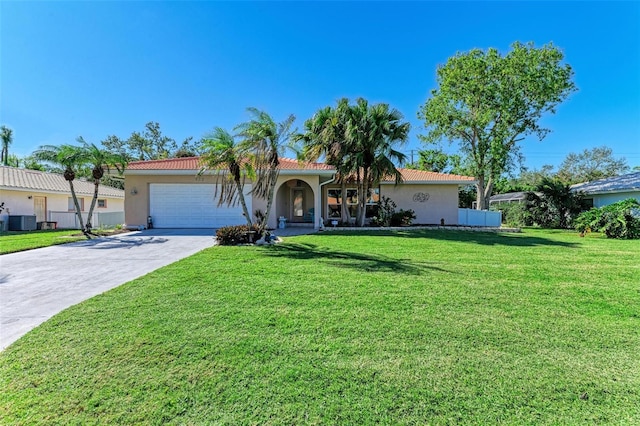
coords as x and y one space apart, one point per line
13 241
415 327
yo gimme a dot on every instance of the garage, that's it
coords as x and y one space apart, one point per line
174 205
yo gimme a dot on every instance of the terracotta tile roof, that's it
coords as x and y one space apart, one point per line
410 175
187 163
194 163
23 179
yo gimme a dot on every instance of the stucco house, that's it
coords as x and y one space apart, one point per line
607 191
173 195
48 197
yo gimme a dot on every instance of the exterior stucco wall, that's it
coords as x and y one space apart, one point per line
601 200
136 205
442 202
18 202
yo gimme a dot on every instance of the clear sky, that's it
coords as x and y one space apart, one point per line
100 68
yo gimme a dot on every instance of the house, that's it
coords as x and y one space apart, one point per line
172 194
48 197
602 192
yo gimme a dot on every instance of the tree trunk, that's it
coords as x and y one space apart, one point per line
344 208
78 210
483 193
272 186
362 198
246 211
96 184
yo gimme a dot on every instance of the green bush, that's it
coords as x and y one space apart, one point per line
403 218
386 209
514 214
238 234
620 220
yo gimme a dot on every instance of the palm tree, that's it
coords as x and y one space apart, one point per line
221 153
372 132
7 137
69 157
98 160
264 139
325 136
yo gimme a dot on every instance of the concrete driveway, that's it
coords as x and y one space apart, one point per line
37 284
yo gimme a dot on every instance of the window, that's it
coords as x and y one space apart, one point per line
588 203
72 207
102 204
334 202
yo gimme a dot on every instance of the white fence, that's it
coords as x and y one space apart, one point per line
471 217
69 220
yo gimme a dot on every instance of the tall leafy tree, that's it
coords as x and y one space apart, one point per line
150 144
324 136
436 160
373 131
69 158
97 159
7 138
229 160
265 139
488 103
591 164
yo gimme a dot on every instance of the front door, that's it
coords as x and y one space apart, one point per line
40 208
298 204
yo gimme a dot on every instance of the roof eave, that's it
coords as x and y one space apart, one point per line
432 182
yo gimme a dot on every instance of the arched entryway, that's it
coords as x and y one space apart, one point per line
295 201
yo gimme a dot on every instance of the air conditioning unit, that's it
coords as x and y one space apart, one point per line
22 223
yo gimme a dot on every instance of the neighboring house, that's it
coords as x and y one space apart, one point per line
508 197
173 195
48 197
602 192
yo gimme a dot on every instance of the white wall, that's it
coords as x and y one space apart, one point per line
18 202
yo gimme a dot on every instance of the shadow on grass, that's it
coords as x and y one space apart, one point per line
477 237
344 259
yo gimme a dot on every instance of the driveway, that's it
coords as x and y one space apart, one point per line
37 284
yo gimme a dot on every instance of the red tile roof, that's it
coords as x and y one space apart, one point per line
410 175
194 163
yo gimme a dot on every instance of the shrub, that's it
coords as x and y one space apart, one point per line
386 209
556 207
514 214
403 218
238 234
620 220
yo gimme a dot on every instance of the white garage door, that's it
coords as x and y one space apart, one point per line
192 206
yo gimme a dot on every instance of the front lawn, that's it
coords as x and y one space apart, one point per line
13 241
409 327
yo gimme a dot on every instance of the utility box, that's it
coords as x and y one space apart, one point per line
22 223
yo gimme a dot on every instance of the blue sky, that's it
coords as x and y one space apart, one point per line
101 68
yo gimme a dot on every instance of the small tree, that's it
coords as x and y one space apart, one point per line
7 137
264 139
557 206
223 155
97 160
69 157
